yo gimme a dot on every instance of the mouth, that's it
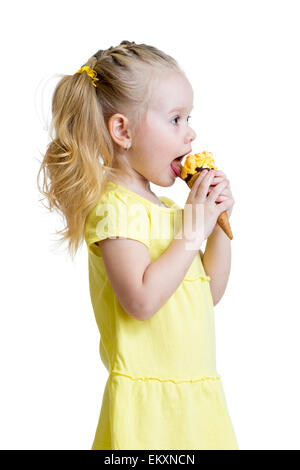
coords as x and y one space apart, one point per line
176 164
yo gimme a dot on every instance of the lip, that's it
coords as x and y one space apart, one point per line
185 154
176 165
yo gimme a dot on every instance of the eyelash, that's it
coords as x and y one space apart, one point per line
178 117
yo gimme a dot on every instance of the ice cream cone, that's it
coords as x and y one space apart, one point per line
223 222
193 179
194 164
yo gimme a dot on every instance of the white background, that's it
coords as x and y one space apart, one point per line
242 59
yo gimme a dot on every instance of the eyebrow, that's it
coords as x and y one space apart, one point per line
179 108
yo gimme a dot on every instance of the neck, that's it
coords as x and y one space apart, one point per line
136 183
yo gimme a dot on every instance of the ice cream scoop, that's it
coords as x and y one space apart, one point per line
193 165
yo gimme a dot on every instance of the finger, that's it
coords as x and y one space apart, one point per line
202 188
217 179
216 191
224 206
225 192
222 198
220 173
199 178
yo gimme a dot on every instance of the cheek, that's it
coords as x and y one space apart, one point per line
158 153
157 144
159 134
155 160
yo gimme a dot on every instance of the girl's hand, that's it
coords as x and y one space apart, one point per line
201 211
226 192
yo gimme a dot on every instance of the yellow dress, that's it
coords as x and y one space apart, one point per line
163 390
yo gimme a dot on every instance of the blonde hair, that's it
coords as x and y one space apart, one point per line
80 115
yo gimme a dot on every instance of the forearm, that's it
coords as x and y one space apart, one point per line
164 275
217 262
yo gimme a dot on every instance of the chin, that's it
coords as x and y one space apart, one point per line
164 183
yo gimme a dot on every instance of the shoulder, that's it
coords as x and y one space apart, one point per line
169 202
118 214
114 200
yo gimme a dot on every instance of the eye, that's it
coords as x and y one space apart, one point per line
178 117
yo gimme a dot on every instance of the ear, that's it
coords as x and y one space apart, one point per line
118 126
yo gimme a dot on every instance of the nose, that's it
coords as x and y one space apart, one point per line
190 136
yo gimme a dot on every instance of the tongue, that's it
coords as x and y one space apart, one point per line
176 167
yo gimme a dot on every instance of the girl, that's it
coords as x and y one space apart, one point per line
152 298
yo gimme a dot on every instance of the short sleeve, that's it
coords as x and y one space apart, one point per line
118 214
170 203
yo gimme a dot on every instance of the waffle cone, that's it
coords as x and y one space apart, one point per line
192 180
223 220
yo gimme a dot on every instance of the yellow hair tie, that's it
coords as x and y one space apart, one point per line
91 73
